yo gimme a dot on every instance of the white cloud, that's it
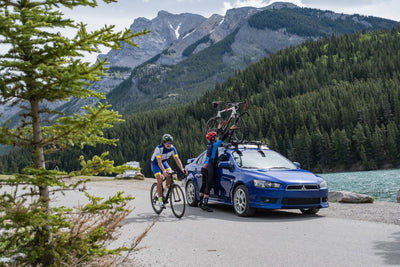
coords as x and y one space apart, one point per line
243 3
256 3
296 2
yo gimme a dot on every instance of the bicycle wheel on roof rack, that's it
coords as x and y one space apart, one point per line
239 134
211 125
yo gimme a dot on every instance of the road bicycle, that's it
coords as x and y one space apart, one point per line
235 118
172 195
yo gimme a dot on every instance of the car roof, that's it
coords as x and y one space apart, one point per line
246 145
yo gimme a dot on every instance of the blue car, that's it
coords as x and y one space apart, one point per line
251 176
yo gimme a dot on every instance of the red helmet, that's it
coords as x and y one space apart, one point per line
211 135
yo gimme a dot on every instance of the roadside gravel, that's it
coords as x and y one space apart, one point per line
379 211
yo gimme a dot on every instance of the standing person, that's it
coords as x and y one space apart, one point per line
160 166
209 169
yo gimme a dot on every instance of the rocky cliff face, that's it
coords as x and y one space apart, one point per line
167 32
172 34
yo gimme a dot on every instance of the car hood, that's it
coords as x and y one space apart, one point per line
286 176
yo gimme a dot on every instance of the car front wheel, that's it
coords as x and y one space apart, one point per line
191 195
309 211
241 203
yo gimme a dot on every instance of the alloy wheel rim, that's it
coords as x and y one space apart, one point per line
240 201
191 193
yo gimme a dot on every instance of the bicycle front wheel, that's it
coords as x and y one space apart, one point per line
211 125
177 201
154 199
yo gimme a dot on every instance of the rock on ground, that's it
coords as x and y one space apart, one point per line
349 197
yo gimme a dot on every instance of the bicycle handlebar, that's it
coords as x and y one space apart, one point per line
174 174
232 104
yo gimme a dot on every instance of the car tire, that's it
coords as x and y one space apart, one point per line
309 211
191 195
241 203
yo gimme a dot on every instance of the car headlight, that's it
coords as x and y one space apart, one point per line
323 184
266 184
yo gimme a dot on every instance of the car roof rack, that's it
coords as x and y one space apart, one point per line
245 143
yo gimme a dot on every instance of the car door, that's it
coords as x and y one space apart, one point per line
197 171
216 191
224 180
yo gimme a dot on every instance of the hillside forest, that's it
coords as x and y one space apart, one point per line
331 104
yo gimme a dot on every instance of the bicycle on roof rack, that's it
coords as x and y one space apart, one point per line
235 118
172 195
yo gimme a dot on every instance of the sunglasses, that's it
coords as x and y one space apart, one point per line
168 143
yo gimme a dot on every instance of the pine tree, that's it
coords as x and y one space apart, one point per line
42 65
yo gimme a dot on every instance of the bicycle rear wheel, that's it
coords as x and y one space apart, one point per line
177 201
154 199
239 134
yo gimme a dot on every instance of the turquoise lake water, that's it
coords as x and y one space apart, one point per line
383 185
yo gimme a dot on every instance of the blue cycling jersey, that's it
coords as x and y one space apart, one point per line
164 153
212 152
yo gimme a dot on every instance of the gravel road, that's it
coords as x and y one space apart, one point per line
341 235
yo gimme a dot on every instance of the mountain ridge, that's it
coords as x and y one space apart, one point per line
249 45
186 54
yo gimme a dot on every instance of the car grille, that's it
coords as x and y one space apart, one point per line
301 187
300 201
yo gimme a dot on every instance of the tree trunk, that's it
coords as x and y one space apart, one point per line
37 139
38 155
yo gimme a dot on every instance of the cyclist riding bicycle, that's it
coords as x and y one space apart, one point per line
160 166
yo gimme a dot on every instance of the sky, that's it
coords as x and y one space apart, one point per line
124 12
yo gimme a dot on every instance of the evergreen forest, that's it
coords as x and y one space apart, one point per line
331 104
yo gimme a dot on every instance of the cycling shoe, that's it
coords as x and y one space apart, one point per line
206 208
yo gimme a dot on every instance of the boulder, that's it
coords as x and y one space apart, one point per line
349 197
398 197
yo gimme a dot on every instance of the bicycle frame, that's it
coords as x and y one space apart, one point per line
218 123
170 185
233 108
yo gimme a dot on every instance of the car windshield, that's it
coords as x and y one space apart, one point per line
261 159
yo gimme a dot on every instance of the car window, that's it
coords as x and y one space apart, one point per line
201 159
237 157
261 159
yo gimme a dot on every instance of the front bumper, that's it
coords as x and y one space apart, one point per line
282 199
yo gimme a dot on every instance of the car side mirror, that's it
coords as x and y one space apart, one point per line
297 164
225 165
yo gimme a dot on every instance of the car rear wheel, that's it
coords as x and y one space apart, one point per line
241 203
191 195
309 211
